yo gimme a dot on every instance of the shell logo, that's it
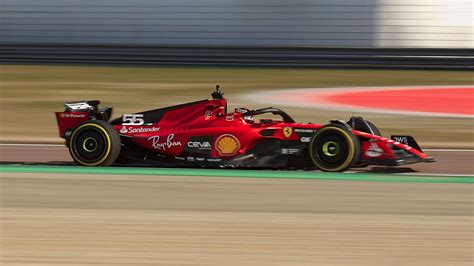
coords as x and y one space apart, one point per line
227 145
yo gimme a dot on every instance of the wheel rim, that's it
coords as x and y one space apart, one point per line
332 149
90 145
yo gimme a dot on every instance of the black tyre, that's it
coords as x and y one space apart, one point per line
95 143
334 148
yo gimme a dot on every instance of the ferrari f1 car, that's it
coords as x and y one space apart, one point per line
205 134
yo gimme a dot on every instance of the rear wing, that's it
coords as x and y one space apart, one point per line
77 112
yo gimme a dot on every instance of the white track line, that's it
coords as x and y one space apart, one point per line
449 150
62 145
32 145
349 172
428 174
413 173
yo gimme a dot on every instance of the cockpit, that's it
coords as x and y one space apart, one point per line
248 115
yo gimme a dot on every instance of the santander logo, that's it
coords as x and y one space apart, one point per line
134 130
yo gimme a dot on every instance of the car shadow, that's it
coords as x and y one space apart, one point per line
385 170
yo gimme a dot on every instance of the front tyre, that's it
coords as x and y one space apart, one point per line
94 143
334 148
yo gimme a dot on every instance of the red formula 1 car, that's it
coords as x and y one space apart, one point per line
204 134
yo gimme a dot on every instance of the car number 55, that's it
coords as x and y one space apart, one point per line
132 120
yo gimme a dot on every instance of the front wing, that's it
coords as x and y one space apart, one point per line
377 150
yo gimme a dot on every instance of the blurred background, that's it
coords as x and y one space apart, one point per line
118 51
136 55
144 54
237 23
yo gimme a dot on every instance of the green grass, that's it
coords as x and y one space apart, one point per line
31 94
233 173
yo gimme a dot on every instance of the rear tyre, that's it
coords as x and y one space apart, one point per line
334 148
95 143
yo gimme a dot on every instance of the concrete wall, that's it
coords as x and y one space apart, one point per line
346 23
425 23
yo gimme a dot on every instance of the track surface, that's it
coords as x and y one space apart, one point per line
139 219
449 162
76 219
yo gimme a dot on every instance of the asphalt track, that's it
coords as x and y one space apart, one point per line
52 213
449 162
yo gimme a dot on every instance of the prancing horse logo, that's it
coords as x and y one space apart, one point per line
287 131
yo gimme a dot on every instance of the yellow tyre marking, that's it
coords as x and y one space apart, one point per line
108 145
351 149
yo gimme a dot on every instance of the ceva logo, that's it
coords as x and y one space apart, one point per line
199 145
